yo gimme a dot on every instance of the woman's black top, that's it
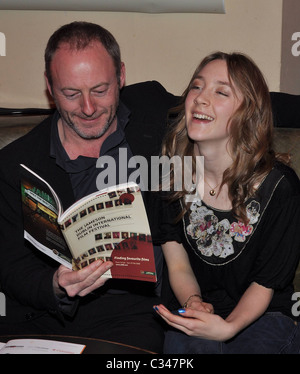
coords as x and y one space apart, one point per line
227 256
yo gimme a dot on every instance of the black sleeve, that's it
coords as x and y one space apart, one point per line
149 104
163 220
286 109
279 251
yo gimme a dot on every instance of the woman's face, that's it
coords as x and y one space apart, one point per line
210 103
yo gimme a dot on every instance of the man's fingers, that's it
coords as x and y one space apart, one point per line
95 280
85 280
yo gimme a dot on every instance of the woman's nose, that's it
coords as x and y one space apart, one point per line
201 98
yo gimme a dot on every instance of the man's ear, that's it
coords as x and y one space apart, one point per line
48 84
122 75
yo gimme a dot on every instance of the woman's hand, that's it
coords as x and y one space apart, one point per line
201 306
193 322
199 323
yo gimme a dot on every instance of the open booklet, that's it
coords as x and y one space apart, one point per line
110 225
40 346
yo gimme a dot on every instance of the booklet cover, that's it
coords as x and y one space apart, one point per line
110 225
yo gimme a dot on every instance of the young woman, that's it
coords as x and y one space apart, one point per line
231 254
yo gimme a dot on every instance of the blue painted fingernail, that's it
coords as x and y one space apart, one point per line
181 310
155 307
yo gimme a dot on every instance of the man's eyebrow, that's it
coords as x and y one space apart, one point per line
69 89
100 85
77 89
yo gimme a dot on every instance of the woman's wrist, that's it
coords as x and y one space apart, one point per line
186 304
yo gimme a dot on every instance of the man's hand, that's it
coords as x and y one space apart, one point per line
81 282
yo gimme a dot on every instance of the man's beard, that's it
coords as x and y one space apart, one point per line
65 116
97 135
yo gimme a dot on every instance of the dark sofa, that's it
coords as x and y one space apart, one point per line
286 111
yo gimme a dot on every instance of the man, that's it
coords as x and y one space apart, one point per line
84 75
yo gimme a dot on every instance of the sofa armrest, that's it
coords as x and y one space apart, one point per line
287 140
13 127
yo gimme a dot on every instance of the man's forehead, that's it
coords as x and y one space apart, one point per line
93 54
76 47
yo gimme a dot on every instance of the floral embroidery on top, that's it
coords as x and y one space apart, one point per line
214 237
240 231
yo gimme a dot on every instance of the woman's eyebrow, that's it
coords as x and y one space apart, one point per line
220 82
223 83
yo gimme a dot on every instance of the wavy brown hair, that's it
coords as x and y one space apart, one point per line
250 131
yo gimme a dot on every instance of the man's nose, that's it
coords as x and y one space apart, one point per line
88 106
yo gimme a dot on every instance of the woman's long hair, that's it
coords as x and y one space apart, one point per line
250 131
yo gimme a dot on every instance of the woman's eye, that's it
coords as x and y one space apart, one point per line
222 93
196 87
